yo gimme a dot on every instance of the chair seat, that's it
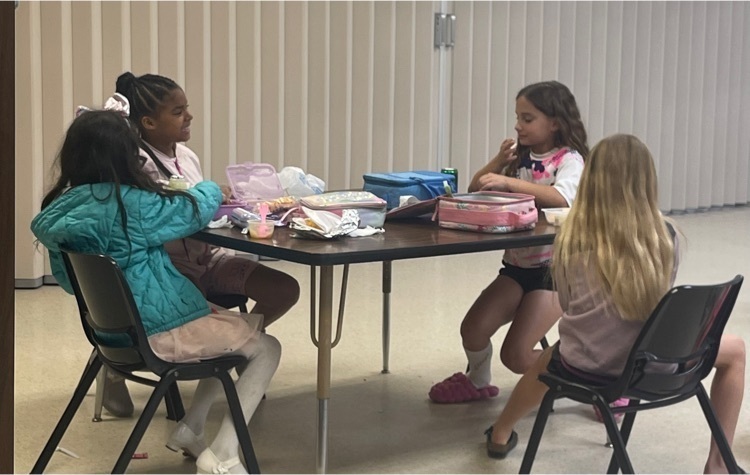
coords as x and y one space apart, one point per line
225 301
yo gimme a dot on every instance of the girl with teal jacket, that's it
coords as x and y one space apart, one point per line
103 202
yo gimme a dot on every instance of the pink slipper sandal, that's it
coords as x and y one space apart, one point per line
459 388
623 401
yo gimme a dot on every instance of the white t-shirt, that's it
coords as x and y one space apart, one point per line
185 163
560 168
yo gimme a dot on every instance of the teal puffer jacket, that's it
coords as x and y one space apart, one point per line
87 219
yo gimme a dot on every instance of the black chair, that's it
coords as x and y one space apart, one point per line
175 409
674 352
113 325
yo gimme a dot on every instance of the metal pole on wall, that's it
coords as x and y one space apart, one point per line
444 26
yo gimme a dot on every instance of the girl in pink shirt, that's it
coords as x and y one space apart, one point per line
546 162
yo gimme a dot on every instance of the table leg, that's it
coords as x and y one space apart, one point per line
324 363
387 268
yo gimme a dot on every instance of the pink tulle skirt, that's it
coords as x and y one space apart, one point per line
217 334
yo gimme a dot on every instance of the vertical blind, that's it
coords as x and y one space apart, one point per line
675 74
343 88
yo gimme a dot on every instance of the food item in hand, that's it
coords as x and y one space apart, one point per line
178 182
226 195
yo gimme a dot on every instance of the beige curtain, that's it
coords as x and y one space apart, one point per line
343 88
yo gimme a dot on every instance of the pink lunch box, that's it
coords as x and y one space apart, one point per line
487 212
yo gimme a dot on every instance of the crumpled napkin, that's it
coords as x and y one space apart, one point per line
222 222
366 231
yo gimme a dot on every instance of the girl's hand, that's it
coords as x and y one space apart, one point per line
226 194
493 182
507 151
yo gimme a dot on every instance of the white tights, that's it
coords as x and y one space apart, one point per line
263 358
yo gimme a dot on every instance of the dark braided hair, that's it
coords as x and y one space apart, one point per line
145 93
102 147
555 101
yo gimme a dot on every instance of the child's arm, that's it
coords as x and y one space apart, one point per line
165 219
559 195
546 196
506 154
226 193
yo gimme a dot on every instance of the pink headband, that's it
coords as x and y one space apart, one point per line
117 103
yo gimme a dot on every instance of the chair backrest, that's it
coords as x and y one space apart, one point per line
677 346
109 315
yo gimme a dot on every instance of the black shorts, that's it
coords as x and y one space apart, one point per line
537 278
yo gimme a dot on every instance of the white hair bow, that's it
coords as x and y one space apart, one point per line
117 103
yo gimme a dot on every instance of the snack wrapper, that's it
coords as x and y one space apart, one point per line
319 224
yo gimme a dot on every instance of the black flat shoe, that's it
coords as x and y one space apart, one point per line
116 398
499 451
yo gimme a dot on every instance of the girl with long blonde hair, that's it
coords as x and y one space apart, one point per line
614 259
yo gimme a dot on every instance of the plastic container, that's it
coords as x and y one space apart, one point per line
556 216
251 183
259 230
226 209
371 209
254 182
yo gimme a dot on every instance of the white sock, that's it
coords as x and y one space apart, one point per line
480 366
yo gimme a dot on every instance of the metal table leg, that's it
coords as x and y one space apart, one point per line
324 364
387 271
324 344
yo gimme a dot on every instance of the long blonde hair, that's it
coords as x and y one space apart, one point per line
615 221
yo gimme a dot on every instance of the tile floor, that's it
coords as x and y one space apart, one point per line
378 423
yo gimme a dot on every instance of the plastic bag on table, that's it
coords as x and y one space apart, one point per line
298 184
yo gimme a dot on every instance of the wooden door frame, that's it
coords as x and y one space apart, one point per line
7 230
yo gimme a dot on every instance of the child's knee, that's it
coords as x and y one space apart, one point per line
271 346
732 353
292 290
515 359
736 347
287 290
